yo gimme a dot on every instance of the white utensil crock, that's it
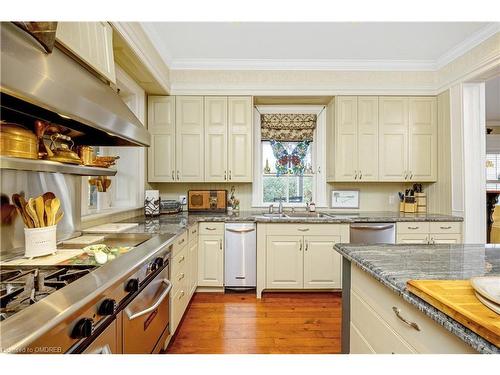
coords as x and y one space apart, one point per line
40 241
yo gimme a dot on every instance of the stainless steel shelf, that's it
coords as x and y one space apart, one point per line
52 166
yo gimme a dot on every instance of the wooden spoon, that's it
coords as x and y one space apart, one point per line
48 212
54 207
30 209
16 199
40 210
59 217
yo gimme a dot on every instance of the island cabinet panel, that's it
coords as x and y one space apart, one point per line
375 307
450 238
322 264
285 262
211 260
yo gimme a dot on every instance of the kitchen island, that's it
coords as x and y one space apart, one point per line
375 296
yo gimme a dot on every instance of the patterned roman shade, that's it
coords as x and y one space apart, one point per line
288 127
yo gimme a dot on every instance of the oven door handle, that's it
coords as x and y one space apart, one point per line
153 306
102 350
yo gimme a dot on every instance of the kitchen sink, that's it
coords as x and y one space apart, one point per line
312 215
273 215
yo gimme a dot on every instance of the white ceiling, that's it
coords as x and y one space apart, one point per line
362 45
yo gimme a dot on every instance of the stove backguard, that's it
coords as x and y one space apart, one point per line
66 187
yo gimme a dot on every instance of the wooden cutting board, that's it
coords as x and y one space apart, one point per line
48 260
456 299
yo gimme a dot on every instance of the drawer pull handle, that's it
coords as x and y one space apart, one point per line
448 227
210 228
181 259
181 294
413 228
181 241
398 314
180 277
303 229
194 231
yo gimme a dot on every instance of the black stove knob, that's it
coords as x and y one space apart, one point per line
83 328
132 285
157 264
107 307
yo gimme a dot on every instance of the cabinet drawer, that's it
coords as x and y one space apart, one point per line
179 303
413 227
179 243
305 229
432 338
193 233
178 267
415 238
210 228
448 227
372 327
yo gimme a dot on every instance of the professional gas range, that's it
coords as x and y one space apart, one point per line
21 287
121 306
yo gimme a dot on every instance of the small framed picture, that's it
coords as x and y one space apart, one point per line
345 198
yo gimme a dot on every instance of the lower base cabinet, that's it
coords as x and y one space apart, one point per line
322 264
211 260
376 328
429 233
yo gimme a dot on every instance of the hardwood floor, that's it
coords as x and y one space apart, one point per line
292 323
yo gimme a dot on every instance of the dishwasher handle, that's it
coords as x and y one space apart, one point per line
243 230
153 306
372 227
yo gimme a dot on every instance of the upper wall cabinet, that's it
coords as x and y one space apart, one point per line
92 43
356 138
408 139
197 139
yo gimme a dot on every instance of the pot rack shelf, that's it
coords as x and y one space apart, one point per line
20 164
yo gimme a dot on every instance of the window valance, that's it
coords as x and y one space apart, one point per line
288 127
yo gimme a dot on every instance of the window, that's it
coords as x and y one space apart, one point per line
294 189
493 171
287 187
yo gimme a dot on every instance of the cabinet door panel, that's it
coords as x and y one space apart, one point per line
189 138
210 261
322 264
412 238
161 124
346 155
284 262
240 147
368 138
422 162
393 138
448 238
216 139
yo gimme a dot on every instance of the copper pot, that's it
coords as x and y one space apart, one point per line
86 153
17 141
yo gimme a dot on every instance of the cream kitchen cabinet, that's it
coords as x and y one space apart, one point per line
161 125
322 266
285 264
240 147
356 137
193 259
189 138
216 169
300 256
407 139
90 42
211 255
428 232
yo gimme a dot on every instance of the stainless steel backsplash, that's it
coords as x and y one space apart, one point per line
66 187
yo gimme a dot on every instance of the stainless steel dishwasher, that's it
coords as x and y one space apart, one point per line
372 233
240 256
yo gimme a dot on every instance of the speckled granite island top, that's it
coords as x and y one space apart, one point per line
394 265
172 223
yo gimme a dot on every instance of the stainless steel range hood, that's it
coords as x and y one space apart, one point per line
56 88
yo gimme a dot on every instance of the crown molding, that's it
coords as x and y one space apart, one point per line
303 64
467 44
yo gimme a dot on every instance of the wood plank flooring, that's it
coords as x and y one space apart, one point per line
294 323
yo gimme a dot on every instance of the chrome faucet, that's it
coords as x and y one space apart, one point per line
271 208
280 208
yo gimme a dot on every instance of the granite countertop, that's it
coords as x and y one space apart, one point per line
394 265
173 223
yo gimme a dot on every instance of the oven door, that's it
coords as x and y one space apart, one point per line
106 342
146 318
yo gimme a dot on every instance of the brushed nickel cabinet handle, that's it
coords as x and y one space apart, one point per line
181 241
300 246
360 175
225 175
307 245
181 259
303 229
413 228
220 244
173 175
411 175
178 175
210 228
194 231
400 317
448 227
230 174
181 294
355 175
181 276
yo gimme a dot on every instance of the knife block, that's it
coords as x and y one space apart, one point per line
421 201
